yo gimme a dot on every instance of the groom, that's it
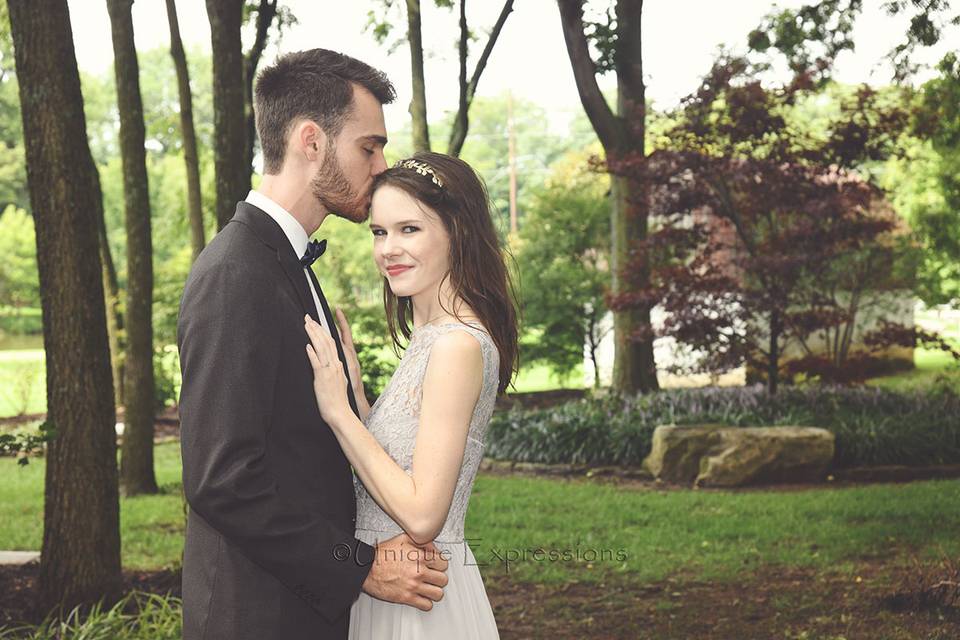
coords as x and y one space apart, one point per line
269 551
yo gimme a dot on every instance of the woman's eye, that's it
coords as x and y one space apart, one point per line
378 232
411 228
369 152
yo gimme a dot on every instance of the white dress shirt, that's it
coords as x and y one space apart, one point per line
295 233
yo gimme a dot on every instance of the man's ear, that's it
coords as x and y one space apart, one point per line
310 140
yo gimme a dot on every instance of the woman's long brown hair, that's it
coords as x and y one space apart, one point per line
478 273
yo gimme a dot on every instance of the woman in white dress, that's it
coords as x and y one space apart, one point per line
417 450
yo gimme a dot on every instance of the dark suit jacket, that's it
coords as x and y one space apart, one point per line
269 551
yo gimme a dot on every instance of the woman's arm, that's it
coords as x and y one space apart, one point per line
418 502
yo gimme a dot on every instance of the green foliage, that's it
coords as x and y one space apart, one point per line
872 426
137 616
166 376
563 253
19 281
21 321
25 442
13 175
350 281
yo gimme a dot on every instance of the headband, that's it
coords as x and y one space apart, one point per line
420 167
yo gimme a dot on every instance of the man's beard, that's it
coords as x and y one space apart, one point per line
334 192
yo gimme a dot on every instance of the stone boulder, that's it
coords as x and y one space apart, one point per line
722 456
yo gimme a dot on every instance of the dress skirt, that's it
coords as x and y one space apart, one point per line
464 612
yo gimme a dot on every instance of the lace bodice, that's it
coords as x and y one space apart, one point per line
395 416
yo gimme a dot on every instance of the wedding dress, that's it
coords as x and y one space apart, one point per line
464 612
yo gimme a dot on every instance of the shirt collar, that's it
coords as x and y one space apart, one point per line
294 231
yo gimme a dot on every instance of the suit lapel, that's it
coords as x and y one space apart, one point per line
273 236
328 318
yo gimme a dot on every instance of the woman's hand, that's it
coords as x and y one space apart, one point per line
329 381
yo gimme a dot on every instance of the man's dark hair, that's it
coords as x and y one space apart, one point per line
313 84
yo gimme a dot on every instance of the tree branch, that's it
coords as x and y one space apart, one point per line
461 123
605 123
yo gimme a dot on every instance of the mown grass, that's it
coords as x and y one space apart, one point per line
586 530
23 385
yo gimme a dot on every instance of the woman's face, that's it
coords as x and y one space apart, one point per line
410 244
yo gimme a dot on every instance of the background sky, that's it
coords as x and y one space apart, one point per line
680 39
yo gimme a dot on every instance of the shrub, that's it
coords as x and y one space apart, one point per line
872 426
138 616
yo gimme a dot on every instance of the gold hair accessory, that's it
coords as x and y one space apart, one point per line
422 168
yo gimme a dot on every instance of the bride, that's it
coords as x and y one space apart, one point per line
417 450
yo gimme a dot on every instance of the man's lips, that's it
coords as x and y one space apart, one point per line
397 270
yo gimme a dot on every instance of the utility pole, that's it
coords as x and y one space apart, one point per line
512 155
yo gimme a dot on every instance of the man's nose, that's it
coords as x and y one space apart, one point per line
379 163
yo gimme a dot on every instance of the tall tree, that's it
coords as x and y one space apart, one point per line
418 103
190 158
267 13
382 27
622 136
80 557
811 36
461 122
230 155
111 290
136 463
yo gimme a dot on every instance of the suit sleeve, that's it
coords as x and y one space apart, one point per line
229 356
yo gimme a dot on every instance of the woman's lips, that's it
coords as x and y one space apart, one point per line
395 271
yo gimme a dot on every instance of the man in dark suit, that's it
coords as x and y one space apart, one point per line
269 551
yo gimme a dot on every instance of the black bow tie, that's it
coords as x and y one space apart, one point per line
314 250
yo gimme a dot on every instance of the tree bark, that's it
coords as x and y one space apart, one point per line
230 165
621 134
418 103
187 133
773 364
111 290
136 460
80 557
266 12
461 122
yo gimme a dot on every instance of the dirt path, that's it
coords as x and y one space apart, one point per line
793 603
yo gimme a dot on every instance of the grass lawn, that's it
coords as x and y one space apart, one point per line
588 530
931 366
540 378
23 387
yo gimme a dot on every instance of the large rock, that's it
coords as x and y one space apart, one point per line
721 456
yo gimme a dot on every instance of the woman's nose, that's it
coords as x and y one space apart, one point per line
390 246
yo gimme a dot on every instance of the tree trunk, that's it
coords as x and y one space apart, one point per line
773 363
418 103
111 289
80 557
230 166
621 134
592 343
136 465
461 122
187 133
266 12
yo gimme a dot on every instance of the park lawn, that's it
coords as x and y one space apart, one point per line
930 365
593 531
23 385
539 377
23 372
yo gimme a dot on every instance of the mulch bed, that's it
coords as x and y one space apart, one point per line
18 584
767 602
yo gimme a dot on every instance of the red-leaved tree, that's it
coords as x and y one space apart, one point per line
765 239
